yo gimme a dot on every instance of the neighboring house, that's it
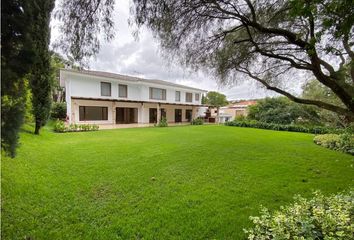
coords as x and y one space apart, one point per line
108 98
236 109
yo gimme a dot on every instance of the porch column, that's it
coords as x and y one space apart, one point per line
113 113
141 113
194 112
158 113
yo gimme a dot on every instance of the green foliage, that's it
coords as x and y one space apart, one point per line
16 62
341 142
40 77
281 110
316 91
163 122
197 121
320 217
216 99
58 111
82 24
284 127
59 126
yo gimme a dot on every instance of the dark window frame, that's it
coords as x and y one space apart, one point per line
82 110
195 96
126 90
110 89
178 93
189 99
163 93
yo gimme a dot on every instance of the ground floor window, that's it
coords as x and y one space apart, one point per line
189 115
126 115
152 115
178 115
93 113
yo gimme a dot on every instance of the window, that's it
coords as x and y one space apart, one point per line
90 113
189 97
178 96
197 96
157 93
189 115
105 89
122 90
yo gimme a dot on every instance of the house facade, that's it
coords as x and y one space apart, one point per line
236 109
106 98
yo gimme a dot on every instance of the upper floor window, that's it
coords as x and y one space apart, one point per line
157 93
189 97
197 96
105 89
178 96
122 90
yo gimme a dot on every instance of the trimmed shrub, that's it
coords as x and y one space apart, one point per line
58 111
284 127
197 121
162 123
59 126
318 218
340 142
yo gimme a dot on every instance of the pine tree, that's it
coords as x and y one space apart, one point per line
40 80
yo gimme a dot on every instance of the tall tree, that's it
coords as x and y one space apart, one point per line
274 42
40 77
16 61
215 99
23 45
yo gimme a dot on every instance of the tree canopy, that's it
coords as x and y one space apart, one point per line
274 42
215 99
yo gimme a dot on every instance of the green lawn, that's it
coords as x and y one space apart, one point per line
208 181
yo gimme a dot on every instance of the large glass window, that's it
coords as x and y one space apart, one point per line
92 113
178 96
197 96
123 90
105 89
189 97
157 93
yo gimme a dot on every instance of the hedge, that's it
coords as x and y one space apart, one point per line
283 127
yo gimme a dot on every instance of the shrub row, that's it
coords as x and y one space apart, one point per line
340 142
59 126
162 123
318 218
197 121
283 127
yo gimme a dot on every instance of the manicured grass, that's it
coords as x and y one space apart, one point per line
191 182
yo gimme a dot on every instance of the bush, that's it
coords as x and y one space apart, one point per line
284 127
162 123
197 121
318 218
59 126
58 111
341 142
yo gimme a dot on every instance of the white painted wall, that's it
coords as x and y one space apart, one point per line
88 86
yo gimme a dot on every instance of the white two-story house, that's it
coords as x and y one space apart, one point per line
109 98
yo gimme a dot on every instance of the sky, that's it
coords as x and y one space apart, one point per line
142 57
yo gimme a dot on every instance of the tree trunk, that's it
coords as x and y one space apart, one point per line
37 127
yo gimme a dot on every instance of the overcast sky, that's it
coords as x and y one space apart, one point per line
142 58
